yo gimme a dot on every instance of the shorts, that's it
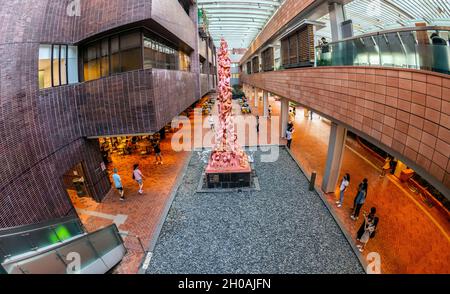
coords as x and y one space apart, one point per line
139 181
158 153
120 189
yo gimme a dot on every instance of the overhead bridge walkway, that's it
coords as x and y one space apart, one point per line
60 247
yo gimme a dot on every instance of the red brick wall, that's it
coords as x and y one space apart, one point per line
286 12
407 111
43 131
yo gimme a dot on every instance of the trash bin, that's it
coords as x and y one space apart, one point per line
406 174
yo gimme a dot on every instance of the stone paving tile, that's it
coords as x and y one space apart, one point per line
283 228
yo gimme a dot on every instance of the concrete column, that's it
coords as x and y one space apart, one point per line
256 97
284 119
265 103
336 148
337 16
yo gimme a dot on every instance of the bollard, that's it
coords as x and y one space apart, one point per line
312 182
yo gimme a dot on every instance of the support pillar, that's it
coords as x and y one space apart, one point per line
284 116
336 148
256 97
265 103
337 16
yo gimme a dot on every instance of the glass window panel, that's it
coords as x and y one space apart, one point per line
131 59
72 64
63 64
105 57
92 63
115 55
44 73
55 63
130 41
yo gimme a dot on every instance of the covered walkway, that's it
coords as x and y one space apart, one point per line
411 237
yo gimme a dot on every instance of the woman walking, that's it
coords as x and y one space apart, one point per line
344 184
138 177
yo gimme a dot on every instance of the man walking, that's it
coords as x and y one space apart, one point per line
118 183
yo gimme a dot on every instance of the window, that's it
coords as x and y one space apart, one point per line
159 54
249 67
255 64
267 59
58 65
185 62
298 48
119 53
130 51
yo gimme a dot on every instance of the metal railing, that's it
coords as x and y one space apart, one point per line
95 252
425 48
31 238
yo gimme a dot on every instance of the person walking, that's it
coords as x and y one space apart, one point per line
386 166
289 133
344 184
360 199
367 229
118 183
211 121
157 149
138 177
257 123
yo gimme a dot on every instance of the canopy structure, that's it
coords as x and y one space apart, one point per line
238 21
377 15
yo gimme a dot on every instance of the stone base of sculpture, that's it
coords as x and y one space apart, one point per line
228 178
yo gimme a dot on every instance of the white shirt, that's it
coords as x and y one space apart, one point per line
344 184
289 135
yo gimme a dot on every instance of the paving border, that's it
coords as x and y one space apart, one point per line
148 254
323 197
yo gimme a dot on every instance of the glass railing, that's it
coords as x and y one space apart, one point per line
97 253
20 240
425 48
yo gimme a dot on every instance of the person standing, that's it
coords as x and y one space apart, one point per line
289 133
360 199
386 166
118 183
367 229
344 184
257 123
138 177
211 121
157 149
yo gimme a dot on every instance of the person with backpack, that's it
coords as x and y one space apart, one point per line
118 183
138 177
344 184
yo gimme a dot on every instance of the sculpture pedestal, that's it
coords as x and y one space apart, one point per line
226 178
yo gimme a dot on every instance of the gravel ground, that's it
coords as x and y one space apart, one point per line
282 229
